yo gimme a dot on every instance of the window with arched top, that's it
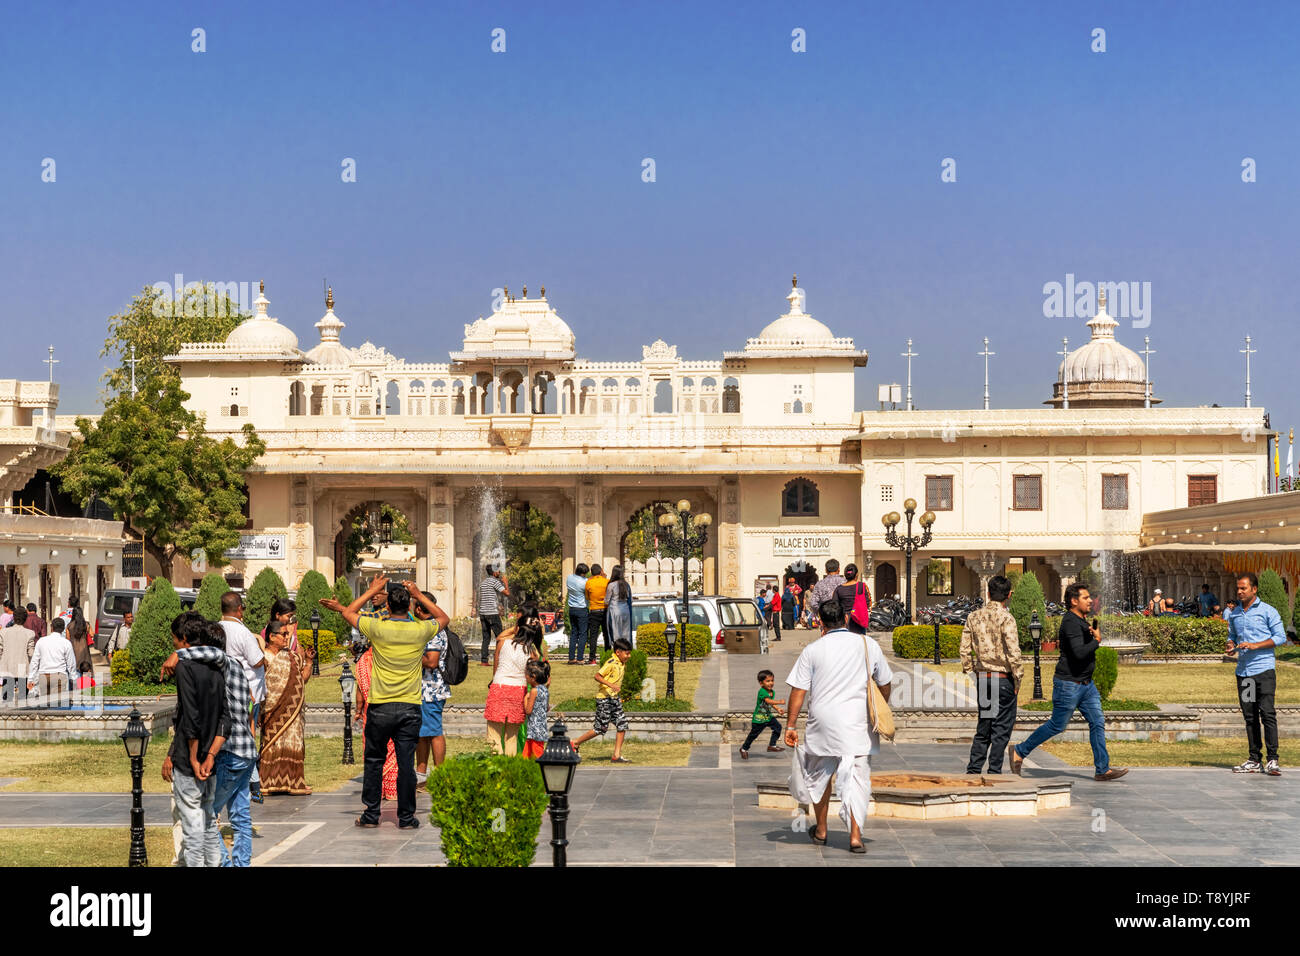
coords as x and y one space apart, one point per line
234 411
663 397
297 399
731 397
392 399
633 383
610 383
800 498
709 383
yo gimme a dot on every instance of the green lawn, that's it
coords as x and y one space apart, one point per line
566 681
80 846
1167 683
1206 752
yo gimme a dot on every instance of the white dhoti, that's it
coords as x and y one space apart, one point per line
810 775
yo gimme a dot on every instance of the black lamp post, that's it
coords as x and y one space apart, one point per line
694 531
937 659
315 642
136 740
558 761
670 635
347 684
907 543
1036 632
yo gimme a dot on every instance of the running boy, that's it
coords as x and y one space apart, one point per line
609 708
763 718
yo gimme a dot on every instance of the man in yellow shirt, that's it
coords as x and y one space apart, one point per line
393 710
609 707
596 585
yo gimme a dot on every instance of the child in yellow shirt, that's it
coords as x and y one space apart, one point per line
609 707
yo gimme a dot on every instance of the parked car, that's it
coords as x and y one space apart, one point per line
716 612
115 602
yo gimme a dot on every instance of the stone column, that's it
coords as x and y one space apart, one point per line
90 596
729 537
986 566
302 538
589 537
441 538
63 589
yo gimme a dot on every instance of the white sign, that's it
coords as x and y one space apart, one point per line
800 545
265 547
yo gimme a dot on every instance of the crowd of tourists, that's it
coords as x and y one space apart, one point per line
42 663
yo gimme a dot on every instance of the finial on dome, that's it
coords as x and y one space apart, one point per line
1101 299
525 292
794 281
329 298
543 292
261 286
505 291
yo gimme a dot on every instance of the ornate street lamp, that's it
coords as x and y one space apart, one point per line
315 642
347 684
136 740
558 761
1036 632
908 543
693 532
670 635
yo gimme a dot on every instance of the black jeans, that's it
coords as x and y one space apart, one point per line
595 626
401 724
1256 696
491 625
994 725
755 730
775 624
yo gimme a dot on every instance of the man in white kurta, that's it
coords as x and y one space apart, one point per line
832 673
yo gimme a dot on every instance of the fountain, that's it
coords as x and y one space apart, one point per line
1120 592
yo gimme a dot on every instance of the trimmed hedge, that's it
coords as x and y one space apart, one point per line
119 668
650 638
916 641
1027 597
636 705
211 590
1272 592
488 808
1168 634
151 635
329 650
1105 671
267 587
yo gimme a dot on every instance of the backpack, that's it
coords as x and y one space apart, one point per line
862 605
454 661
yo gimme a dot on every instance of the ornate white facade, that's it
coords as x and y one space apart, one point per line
766 438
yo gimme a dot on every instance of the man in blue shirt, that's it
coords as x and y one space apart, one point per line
575 591
1208 601
1254 629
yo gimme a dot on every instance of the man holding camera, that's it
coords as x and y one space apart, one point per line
1254 629
398 645
491 590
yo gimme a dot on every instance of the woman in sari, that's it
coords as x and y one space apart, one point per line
285 611
364 665
618 606
283 737
78 632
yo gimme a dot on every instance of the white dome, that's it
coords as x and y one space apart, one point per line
330 351
796 328
262 333
519 327
1103 359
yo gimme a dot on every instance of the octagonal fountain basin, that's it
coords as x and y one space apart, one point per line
935 796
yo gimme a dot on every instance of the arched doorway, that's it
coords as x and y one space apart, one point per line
886 581
652 557
375 537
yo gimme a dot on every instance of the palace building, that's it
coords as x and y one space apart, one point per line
768 439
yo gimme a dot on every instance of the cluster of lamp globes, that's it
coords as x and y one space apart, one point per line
669 519
891 520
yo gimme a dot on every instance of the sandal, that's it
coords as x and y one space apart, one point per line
857 848
367 826
812 835
619 760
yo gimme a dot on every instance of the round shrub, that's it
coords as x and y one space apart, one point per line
916 641
328 649
633 673
1272 592
266 590
311 589
151 636
650 638
1027 597
488 808
120 667
1106 671
211 590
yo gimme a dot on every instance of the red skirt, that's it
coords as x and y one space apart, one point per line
505 704
533 749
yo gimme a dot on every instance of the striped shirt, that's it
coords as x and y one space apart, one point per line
239 699
489 601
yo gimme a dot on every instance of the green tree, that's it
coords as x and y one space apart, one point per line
150 460
645 539
311 589
363 537
157 327
267 587
1026 597
534 549
211 590
1272 592
151 635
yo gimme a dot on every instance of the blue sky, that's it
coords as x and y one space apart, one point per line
477 169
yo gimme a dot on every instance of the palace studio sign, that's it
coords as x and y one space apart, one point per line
800 545
265 547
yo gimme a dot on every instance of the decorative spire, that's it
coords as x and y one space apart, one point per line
261 286
1102 325
525 292
795 298
261 302
543 292
329 299
505 291
794 281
